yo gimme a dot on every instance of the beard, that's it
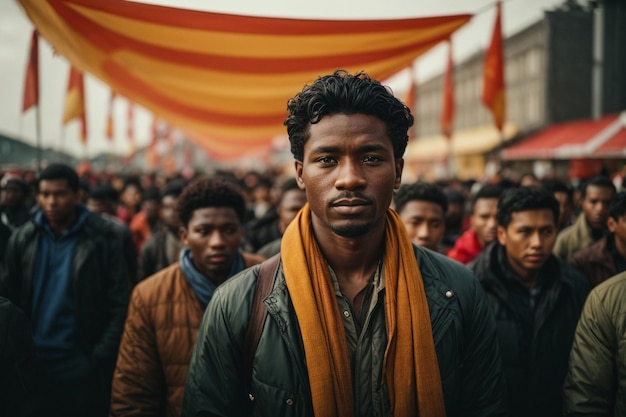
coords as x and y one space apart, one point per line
355 230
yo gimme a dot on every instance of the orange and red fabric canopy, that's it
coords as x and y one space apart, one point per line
224 78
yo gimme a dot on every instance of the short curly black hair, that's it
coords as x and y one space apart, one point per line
617 207
210 192
60 171
343 93
525 198
420 191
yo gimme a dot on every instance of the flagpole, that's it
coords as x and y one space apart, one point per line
38 135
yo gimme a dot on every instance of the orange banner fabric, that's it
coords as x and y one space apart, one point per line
75 102
218 76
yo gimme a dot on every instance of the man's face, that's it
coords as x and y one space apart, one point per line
213 235
96 205
425 223
595 205
349 173
528 239
484 219
290 205
13 195
151 210
565 207
131 196
619 228
169 212
57 200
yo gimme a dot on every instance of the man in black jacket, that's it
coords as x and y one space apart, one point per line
536 298
23 382
65 270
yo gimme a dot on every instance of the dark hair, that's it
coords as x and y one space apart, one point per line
599 181
132 182
348 94
209 192
151 193
556 186
525 198
454 196
174 188
617 207
60 172
104 192
421 191
486 191
288 185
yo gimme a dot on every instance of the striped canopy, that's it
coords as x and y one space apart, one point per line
224 79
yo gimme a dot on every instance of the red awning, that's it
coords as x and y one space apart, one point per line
614 147
602 138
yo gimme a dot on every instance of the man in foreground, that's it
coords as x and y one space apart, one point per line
536 299
360 322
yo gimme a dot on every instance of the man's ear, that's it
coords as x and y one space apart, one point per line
182 232
299 179
502 235
399 168
611 224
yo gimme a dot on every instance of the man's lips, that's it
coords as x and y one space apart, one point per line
350 202
536 257
350 206
217 259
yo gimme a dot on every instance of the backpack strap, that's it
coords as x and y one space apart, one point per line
258 314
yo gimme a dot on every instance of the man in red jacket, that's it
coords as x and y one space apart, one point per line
483 225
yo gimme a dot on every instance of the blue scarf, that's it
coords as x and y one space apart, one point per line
201 285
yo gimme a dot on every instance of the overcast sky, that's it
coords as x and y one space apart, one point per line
16 29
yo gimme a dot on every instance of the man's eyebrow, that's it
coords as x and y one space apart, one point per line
372 148
325 149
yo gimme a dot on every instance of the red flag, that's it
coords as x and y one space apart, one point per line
31 83
447 109
493 95
75 102
110 127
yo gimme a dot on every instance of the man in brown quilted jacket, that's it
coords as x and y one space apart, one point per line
166 309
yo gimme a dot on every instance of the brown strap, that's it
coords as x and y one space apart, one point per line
258 313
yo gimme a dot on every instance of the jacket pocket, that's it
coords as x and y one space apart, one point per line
270 401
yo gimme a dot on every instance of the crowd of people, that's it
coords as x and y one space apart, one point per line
336 290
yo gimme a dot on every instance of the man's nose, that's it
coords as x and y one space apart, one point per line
350 176
216 239
423 231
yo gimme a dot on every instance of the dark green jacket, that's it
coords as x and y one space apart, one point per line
463 331
596 379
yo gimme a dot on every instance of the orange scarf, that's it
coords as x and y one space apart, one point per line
410 368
